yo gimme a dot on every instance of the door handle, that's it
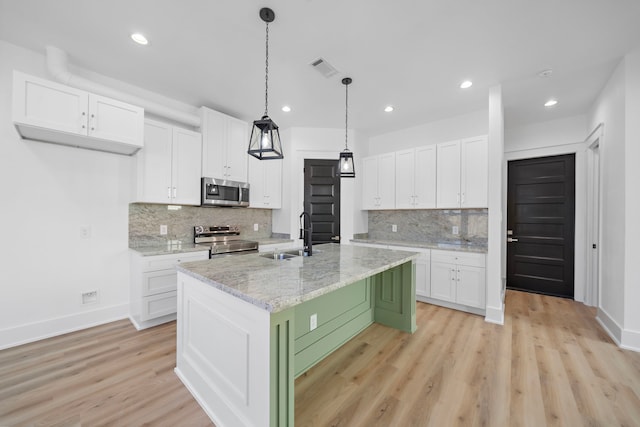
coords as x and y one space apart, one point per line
511 239
337 238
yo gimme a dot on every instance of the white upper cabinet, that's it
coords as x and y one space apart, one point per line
475 172
379 177
416 178
462 169
265 179
168 168
448 171
51 112
224 146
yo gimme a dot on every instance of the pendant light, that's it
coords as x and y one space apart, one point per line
264 143
347 169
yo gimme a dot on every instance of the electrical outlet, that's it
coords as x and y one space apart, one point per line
163 230
394 228
455 231
85 232
256 227
90 297
313 321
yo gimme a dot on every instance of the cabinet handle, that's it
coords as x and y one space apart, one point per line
462 198
175 192
458 198
168 192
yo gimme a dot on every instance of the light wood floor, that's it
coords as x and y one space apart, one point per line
550 364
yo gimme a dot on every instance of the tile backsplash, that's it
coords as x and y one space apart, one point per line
430 225
145 220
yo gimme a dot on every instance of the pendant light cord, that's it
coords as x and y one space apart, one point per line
266 73
346 115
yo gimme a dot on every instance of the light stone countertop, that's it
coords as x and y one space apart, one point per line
427 245
276 285
170 248
273 241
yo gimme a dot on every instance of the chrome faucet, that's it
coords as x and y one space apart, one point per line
305 233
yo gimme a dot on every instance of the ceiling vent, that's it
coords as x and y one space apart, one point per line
324 68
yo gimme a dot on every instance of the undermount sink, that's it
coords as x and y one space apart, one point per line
279 256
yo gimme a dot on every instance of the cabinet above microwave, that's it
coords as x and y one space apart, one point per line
51 112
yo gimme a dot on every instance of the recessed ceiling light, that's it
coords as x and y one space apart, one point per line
545 73
466 84
286 108
388 109
551 103
139 38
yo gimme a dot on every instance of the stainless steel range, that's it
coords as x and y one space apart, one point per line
224 240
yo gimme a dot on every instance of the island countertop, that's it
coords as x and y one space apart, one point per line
275 285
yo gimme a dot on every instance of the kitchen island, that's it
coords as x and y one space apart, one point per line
248 325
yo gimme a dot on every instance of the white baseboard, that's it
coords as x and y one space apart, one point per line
495 315
630 340
23 334
609 325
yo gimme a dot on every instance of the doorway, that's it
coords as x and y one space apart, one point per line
541 225
322 199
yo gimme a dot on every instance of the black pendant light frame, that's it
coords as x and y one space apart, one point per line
265 142
346 164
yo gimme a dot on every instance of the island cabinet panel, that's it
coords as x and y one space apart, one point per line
394 302
340 316
223 352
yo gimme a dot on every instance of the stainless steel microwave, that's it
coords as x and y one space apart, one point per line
222 192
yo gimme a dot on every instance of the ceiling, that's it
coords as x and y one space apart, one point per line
411 54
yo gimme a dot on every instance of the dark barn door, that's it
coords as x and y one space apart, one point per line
540 223
322 199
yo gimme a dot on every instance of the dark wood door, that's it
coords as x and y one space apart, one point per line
322 199
540 223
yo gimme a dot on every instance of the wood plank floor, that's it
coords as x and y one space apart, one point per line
550 364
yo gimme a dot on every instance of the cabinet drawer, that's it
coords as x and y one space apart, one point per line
159 305
462 258
157 282
167 262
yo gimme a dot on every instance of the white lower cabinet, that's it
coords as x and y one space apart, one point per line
153 287
458 278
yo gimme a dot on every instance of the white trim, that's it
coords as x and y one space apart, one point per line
630 340
592 290
24 334
495 315
610 326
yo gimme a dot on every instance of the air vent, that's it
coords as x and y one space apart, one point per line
324 68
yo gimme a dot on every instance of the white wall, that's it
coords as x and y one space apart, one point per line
50 191
610 110
631 332
550 133
464 126
319 143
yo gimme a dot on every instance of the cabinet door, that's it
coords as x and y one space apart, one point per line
405 174
213 143
370 183
423 276
470 286
185 171
41 103
237 143
443 281
257 182
448 173
115 121
273 182
475 172
387 181
154 164
425 177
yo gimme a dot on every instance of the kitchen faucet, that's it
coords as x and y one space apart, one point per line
305 233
